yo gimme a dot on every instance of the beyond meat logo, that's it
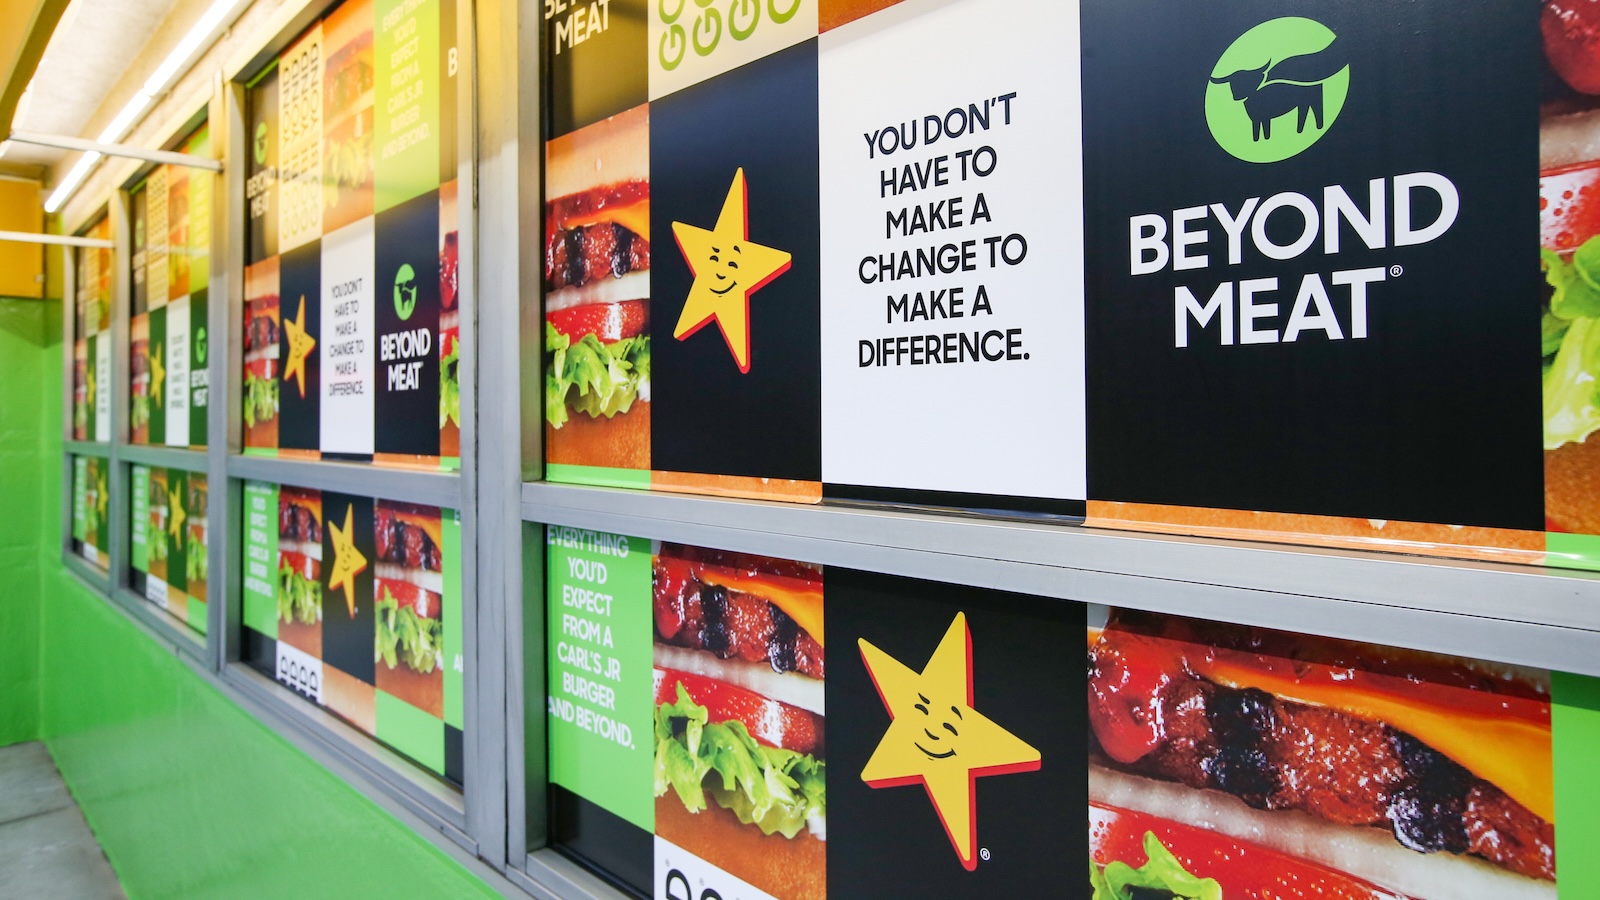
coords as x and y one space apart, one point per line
935 737
1276 90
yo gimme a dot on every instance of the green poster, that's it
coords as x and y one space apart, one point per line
80 498
454 660
200 213
600 701
261 557
1575 732
406 139
140 525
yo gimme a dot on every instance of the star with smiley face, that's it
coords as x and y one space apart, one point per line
935 737
727 269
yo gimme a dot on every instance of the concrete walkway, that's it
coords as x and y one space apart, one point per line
46 848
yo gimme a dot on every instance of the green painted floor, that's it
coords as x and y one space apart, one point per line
46 848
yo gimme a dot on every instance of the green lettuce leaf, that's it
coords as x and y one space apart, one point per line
1161 876
196 566
140 416
450 386
260 399
1569 334
297 597
402 635
596 379
774 789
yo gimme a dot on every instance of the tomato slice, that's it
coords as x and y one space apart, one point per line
771 722
1242 869
1569 206
421 600
607 321
301 563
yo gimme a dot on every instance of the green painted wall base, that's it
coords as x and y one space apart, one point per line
189 795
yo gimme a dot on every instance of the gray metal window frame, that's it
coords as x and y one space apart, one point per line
497 825
467 824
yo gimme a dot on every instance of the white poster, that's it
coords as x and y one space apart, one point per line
692 40
952 232
348 325
177 385
102 378
157 278
299 142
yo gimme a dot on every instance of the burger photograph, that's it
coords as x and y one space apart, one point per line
597 294
1569 253
300 569
408 643
261 354
1229 761
740 745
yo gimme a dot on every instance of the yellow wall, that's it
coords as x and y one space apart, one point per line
21 265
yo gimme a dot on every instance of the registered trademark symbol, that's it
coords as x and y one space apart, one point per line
983 854
1395 271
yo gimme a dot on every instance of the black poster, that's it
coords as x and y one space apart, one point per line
731 401
977 787
348 555
160 363
261 179
1308 244
177 533
406 408
199 368
300 372
596 65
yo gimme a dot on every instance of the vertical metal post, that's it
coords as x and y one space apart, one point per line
122 289
69 342
226 340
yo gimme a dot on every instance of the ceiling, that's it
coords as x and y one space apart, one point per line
92 47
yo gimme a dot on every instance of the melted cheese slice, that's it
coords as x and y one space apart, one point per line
1510 751
635 217
799 599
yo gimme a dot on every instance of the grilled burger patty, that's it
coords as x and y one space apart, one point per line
575 256
296 523
404 544
1277 754
730 624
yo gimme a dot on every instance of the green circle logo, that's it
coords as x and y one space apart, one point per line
200 344
405 291
1277 89
261 143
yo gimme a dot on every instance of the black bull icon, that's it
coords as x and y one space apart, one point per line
1293 84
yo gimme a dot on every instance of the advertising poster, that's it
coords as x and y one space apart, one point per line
943 752
169 391
91 530
351 326
91 351
699 678
355 604
167 538
833 237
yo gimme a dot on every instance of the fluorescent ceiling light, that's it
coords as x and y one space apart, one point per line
204 32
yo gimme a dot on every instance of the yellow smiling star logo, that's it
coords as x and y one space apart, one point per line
101 494
936 739
727 269
348 562
300 345
158 374
175 503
